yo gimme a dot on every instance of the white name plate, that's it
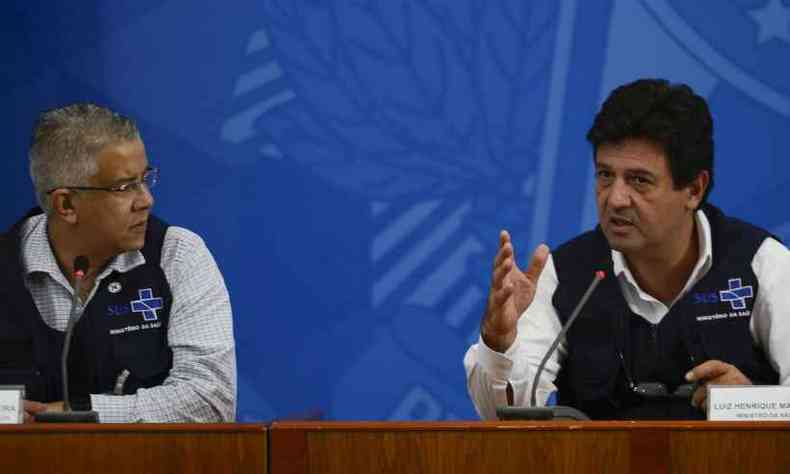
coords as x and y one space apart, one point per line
11 408
748 402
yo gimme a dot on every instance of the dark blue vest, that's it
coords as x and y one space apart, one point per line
123 327
710 322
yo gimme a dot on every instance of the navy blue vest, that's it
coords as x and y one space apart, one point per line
710 322
123 327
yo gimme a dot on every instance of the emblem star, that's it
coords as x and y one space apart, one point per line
773 21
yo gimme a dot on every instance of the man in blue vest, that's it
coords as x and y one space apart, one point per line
691 297
155 340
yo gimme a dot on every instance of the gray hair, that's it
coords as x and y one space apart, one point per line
65 142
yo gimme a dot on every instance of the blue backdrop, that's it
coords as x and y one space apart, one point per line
350 163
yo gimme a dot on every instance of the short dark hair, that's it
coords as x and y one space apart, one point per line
670 115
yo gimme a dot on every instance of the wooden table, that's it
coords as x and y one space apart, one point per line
529 447
133 449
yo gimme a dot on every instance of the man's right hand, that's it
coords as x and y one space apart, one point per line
512 291
31 408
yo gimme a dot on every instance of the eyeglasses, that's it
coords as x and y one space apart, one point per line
655 390
650 390
149 180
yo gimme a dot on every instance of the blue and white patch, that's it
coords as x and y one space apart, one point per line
736 294
147 304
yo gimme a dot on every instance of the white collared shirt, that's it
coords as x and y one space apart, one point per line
488 372
201 386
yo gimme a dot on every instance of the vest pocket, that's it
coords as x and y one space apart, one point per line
148 363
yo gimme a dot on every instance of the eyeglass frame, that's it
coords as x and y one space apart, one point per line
656 390
124 188
652 390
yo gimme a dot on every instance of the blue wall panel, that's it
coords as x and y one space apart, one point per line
350 162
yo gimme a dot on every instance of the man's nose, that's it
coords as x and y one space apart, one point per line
619 194
144 199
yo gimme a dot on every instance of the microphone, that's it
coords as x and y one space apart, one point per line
534 412
80 269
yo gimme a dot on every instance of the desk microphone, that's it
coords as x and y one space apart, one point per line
534 412
81 266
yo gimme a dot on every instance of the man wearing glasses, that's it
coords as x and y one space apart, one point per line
690 297
155 339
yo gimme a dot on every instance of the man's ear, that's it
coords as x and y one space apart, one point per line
62 202
696 189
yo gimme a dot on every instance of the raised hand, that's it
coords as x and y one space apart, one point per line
512 291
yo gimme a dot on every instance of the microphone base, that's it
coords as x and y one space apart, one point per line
557 412
67 417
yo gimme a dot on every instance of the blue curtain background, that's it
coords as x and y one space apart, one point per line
350 163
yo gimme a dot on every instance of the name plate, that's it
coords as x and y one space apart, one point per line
11 407
748 402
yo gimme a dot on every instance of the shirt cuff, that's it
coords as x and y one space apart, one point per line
498 365
113 408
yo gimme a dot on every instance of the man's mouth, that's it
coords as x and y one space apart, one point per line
620 221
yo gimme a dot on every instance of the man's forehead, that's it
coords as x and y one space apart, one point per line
122 159
632 154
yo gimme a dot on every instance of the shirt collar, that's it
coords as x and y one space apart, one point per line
37 254
704 262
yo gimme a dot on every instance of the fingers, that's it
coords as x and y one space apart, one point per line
505 251
500 273
499 296
31 408
503 262
506 273
506 257
713 372
502 287
709 370
538 261
510 294
700 397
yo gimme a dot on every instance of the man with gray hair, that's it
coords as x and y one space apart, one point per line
155 339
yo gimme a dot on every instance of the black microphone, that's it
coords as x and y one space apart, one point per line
80 269
534 412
